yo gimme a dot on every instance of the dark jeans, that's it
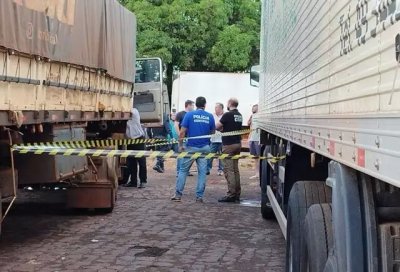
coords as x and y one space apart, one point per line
133 163
162 148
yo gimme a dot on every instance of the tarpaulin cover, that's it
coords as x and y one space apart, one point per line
93 33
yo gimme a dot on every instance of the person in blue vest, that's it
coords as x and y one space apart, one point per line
196 123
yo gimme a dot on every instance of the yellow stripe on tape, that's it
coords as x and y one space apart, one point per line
38 151
196 155
210 155
223 156
97 153
235 157
126 153
68 152
154 154
83 152
54 151
140 154
183 154
112 153
168 154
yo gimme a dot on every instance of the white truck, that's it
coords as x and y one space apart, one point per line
330 103
66 73
216 88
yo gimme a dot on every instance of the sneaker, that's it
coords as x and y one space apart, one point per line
227 199
220 173
158 169
237 199
199 200
142 185
176 198
254 177
190 175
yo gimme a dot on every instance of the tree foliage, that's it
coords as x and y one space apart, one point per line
198 35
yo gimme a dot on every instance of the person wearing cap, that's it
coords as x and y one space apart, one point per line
231 145
254 141
134 130
196 123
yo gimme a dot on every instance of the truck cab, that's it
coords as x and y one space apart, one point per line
150 91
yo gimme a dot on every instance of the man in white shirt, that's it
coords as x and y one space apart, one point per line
216 141
254 141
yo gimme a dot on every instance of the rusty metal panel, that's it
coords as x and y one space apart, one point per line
91 195
50 169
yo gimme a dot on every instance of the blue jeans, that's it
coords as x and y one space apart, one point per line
215 148
175 148
186 163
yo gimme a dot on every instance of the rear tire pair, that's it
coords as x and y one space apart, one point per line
309 226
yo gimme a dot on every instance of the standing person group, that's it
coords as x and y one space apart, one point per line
194 123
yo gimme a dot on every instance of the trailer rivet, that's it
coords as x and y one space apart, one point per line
376 164
354 157
377 141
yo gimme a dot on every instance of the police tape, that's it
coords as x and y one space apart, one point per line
82 152
121 142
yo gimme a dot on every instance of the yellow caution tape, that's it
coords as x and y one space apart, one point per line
40 150
120 142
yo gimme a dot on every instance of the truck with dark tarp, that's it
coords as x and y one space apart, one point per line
66 73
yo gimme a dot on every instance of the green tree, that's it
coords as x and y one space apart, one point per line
201 35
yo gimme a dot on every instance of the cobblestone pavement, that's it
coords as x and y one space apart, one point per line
145 232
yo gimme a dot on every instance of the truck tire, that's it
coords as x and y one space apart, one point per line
266 208
318 232
302 196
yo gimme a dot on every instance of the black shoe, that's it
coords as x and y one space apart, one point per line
158 169
237 199
190 175
142 185
129 185
208 173
227 199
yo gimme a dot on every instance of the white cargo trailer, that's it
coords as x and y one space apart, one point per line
216 88
330 102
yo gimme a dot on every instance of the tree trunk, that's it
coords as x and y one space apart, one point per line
170 72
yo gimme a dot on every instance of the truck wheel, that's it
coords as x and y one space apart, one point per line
318 232
266 208
302 196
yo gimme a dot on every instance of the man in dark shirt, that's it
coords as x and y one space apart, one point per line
189 106
231 121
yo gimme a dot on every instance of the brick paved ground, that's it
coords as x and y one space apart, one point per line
145 232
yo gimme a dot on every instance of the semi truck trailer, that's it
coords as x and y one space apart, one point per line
66 73
329 90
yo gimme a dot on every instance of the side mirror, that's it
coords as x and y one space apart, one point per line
255 75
